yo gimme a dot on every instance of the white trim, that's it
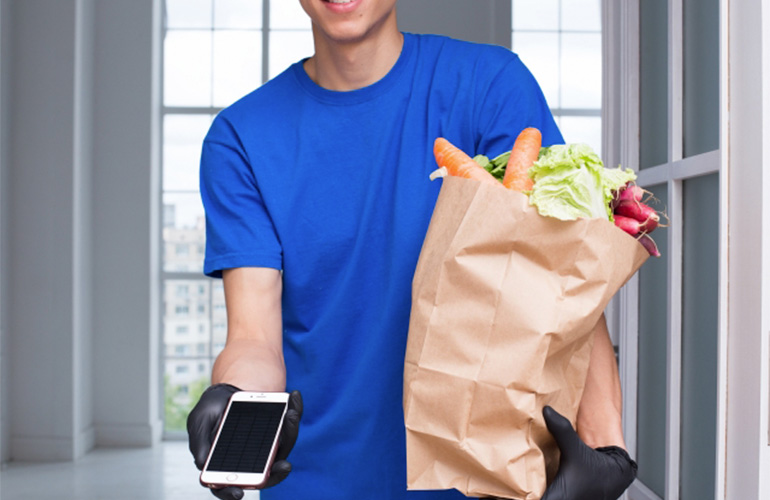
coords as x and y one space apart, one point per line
746 452
52 448
128 435
638 491
630 117
674 353
722 332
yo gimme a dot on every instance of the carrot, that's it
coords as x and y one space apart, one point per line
459 164
524 153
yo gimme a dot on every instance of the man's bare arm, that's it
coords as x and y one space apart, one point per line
599 415
252 358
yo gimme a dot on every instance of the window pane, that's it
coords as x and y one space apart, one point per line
188 13
581 15
218 317
288 15
288 47
238 14
184 232
587 129
185 381
653 85
581 70
186 321
237 64
535 15
701 76
187 68
540 52
182 139
653 351
700 303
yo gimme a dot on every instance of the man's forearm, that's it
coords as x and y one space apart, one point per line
248 365
599 415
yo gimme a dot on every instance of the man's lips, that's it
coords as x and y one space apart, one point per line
341 5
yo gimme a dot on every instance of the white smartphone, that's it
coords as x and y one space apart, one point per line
247 440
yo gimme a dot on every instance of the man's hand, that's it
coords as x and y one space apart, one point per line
586 473
202 427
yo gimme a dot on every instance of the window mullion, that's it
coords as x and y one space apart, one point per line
674 251
675 79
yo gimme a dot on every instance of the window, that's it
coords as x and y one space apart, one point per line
214 52
560 41
670 349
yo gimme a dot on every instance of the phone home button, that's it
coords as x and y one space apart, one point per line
232 477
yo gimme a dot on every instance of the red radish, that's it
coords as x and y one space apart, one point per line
649 244
628 224
631 192
645 214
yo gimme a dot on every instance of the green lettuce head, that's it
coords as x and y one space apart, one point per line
571 183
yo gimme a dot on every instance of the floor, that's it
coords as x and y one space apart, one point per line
165 472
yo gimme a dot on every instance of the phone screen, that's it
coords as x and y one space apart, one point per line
246 437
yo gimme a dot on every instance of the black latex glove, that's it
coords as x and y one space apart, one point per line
586 473
202 425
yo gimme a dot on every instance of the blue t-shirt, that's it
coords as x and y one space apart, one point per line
333 189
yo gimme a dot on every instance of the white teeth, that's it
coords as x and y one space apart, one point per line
339 1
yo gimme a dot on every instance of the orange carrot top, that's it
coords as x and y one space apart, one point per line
525 151
459 164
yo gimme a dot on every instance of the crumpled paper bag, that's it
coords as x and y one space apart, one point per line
503 303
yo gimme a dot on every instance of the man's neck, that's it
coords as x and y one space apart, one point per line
350 66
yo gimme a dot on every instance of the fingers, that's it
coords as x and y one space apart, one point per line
278 472
229 493
295 402
290 429
203 419
561 429
199 426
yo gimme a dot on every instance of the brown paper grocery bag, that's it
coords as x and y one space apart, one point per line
503 303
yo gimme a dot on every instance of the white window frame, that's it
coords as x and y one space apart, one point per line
622 90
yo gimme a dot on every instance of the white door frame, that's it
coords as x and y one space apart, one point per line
747 273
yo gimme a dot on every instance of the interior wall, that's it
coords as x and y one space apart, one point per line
79 196
126 222
48 161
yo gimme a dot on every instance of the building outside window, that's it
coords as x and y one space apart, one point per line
214 51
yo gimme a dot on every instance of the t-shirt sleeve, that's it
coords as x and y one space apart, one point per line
513 102
239 230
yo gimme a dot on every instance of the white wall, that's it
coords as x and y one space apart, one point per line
79 309
126 220
48 184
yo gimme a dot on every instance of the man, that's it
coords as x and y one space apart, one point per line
317 199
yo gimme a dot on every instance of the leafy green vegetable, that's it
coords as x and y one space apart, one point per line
495 166
571 182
